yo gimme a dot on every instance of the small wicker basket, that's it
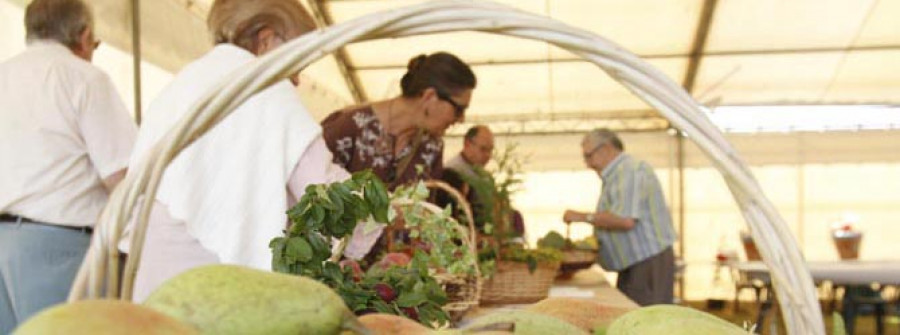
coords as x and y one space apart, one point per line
512 283
575 260
463 291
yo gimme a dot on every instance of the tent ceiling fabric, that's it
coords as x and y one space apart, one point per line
756 52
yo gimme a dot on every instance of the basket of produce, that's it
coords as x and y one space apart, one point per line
437 284
448 245
574 261
520 276
578 255
100 274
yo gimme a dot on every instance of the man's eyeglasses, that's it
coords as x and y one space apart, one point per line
588 154
458 110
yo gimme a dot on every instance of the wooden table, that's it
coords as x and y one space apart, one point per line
588 284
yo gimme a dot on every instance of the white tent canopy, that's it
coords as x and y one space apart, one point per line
738 52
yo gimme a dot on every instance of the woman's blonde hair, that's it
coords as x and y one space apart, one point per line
238 21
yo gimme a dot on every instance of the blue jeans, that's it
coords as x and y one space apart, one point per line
38 264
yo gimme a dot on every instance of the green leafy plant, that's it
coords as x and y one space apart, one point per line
506 180
555 240
507 176
400 290
436 231
532 257
327 211
333 211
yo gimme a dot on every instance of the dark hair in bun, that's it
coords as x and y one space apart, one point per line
440 70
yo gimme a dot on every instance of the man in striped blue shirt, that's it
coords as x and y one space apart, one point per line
632 223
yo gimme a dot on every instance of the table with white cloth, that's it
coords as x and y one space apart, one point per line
843 272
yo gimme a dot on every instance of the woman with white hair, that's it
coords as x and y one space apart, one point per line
224 197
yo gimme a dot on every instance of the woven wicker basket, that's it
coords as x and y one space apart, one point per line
100 275
463 291
575 260
512 283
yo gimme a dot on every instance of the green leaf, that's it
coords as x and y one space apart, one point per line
318 215
336 199
321 248
411 299
421 191
322 192
382 307
298 248
333 272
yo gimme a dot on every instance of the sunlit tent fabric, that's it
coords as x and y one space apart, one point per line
765 52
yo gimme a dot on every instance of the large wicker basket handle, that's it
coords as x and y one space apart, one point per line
460 201
99 275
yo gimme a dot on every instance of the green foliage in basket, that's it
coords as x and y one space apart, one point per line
400 290
333 211
507 176
517 253
554 240
493 189
439 232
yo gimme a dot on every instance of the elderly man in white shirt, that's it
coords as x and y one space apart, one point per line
65 141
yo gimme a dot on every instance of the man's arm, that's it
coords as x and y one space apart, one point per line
602 220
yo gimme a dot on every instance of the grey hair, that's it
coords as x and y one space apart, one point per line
600 136
238 21
59 20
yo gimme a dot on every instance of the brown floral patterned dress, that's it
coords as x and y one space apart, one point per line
358 141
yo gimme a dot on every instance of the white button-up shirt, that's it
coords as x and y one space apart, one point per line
63 128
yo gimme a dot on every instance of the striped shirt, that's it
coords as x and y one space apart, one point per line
631 190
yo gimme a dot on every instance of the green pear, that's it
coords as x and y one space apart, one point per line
102 317
672 320
521 322
228 299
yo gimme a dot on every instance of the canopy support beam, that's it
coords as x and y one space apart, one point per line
136 56
345 65
696 56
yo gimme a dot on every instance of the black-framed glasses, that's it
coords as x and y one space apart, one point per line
458 110
588 154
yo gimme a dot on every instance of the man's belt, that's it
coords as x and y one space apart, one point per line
11 218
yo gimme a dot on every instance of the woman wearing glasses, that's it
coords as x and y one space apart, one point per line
391 137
